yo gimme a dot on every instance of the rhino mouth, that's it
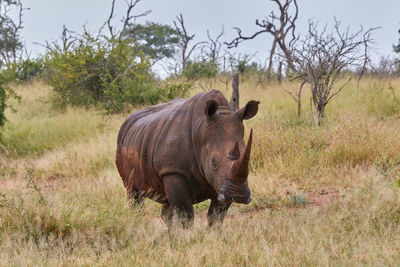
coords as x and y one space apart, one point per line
238 199
234 193
242 200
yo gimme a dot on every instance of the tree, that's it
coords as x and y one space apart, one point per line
322 60
279 26
397 47
11 47
385 67
185 47
156 40
397 50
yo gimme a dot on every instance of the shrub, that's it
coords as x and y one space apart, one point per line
200 69
5 93
111 74
24 70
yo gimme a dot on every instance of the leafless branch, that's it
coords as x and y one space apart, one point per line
184 41
279 26
110 27
214 45
126 19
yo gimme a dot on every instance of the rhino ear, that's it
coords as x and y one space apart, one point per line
211 109
248 111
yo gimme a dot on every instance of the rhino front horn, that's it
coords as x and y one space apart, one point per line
240 169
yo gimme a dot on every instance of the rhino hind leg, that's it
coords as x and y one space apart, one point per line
217 211
180 199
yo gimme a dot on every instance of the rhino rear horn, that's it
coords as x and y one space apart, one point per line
235 152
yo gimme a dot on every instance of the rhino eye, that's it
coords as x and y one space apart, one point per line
214 162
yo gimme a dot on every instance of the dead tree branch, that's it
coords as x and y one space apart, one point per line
126 19
280 27
184 41
214 46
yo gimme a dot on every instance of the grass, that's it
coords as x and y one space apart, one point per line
321 196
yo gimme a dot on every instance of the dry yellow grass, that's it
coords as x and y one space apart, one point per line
322 196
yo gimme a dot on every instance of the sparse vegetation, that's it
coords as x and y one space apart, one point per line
326 195
321 196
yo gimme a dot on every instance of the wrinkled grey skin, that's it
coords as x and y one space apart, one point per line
184 152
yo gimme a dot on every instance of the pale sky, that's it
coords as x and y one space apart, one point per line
45 18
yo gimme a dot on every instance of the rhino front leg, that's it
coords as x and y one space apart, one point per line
217 211
179 198
167 214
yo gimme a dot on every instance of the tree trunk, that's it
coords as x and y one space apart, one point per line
271 55
235 92
279 74
299 108
319 113
299 99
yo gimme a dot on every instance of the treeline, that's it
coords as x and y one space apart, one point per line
115 68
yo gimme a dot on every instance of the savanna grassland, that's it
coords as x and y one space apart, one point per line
325 195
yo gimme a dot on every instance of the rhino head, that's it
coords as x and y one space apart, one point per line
225 156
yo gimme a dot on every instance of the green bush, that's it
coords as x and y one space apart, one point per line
24 70
111 74
200 69
5 93
170 90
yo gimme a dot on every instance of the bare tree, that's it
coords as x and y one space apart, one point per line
279 26
214 46
386 67
185 39
322 59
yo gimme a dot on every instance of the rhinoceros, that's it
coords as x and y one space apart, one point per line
184 152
